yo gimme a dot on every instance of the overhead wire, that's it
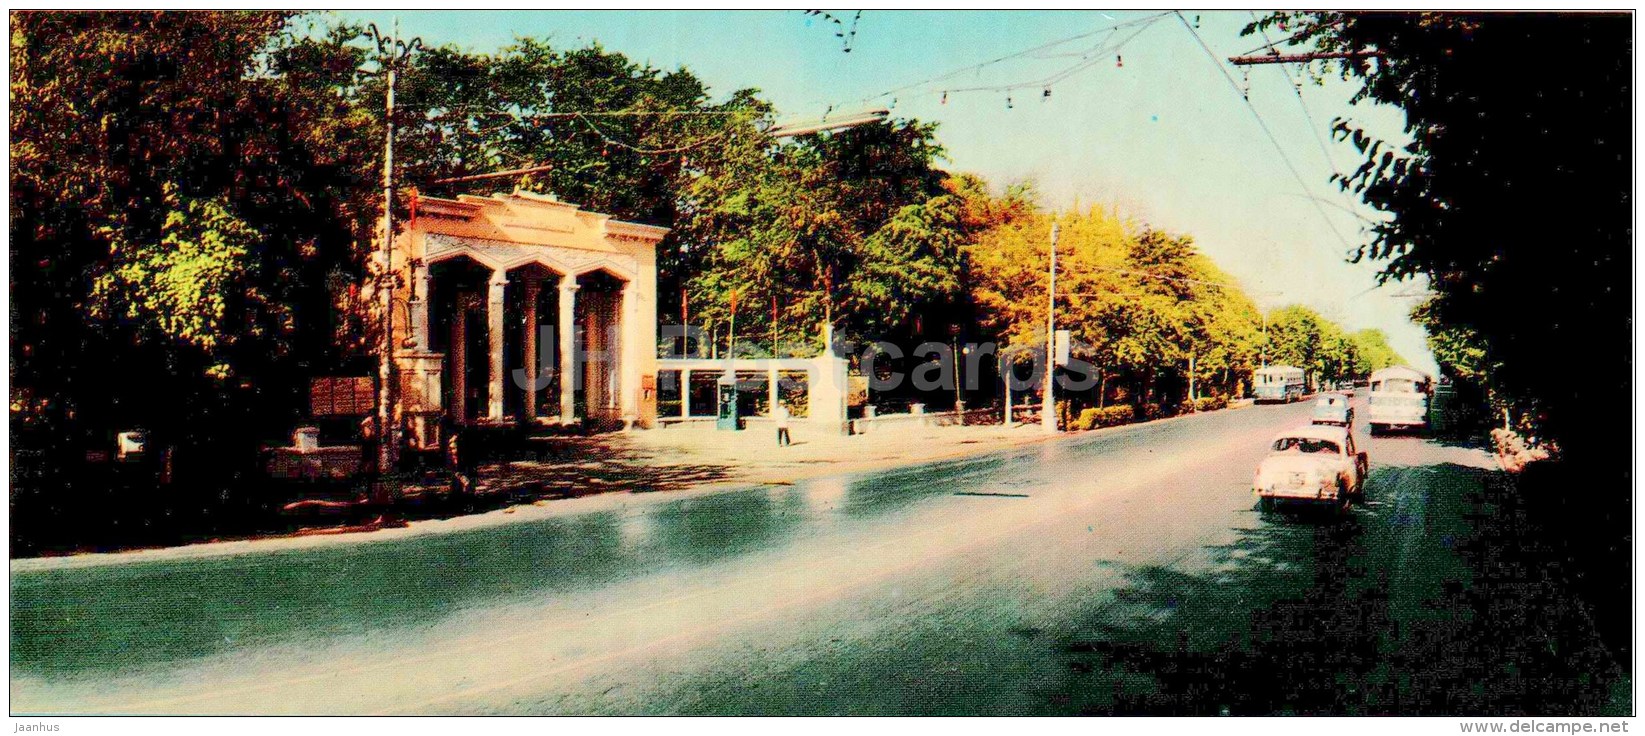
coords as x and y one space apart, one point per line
1296 86
1091 57
653 151
1269 132
1014 55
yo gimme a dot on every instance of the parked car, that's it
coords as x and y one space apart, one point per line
1333 409
1312 464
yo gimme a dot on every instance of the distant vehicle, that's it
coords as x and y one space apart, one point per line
1346 387
1281 383
1399 399
1312 464
1334 409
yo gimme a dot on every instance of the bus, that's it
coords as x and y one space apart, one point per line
1399 399
1282 383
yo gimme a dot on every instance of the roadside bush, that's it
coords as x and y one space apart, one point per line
1211 403
1105 417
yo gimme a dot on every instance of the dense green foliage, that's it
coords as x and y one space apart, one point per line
1143 306
181 216
1512 196
194 195
1299 336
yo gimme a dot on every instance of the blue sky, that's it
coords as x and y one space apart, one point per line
1164 137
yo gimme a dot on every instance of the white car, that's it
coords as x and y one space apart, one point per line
1315 464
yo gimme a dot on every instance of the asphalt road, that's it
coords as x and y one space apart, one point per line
1122 571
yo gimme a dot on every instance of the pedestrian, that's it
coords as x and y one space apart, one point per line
459 464
781 415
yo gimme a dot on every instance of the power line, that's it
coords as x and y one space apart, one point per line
1273 139
1099 51
1296 86
653 151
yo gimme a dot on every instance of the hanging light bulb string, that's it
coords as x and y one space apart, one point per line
925 84
1091 58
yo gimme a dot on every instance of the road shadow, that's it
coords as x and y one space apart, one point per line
1433 601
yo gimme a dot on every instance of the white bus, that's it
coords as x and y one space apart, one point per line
1284 383
1399 399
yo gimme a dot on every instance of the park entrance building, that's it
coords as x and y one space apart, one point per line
520 308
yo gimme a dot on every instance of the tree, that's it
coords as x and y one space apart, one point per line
1299 336
1144 306
1495 126
854 229
181 210
1374 352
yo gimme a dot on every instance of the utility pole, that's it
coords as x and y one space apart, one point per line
1048 405
1006 369
392 52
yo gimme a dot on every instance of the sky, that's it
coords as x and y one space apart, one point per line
1138 117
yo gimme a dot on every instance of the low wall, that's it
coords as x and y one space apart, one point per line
884 422
333 462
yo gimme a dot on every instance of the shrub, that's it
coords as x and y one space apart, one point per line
1105 417
1211 403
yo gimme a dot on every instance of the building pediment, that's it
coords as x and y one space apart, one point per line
529 218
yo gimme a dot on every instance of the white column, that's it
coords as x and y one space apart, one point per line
625 345
529 346
685 394
568 346
771 390
494 310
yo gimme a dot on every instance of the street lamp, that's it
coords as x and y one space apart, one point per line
392 52
807 127
1048 411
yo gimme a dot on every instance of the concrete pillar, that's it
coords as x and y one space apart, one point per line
685 393
624 349
494 330
772 395
828 386
529 345
419 309
568 346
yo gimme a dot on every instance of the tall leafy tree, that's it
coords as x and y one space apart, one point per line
1512 195
1374 352
1144 306
179 216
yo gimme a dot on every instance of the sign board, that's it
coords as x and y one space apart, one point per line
1064 345
333 396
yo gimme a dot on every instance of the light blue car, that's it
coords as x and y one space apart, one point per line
1333 409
